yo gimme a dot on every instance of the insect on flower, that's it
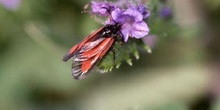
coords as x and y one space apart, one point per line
92 49
121 24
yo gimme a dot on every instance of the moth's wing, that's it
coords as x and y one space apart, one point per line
84 43
85 61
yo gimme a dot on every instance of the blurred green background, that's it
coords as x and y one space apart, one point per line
181 73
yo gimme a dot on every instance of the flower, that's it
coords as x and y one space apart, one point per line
165 12
11 4
132 23
130 16
102 8
143 9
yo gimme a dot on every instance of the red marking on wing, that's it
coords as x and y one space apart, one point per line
73 49
69 55
76 47
107 48
90 38
96 49
88 64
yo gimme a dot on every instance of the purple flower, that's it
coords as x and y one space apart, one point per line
11 4
129 15
165 12
145 12
132 23
138 6
102 8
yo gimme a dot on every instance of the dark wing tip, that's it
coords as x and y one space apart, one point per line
67 57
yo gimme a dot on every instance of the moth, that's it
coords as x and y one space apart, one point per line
91 50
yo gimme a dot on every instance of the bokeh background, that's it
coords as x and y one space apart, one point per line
181 73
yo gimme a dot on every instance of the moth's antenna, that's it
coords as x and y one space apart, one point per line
85 8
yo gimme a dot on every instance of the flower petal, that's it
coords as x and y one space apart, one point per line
117 15
126 36
144 10
140 30
134 13
126 30
101 8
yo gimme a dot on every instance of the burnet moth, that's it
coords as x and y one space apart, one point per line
91 50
